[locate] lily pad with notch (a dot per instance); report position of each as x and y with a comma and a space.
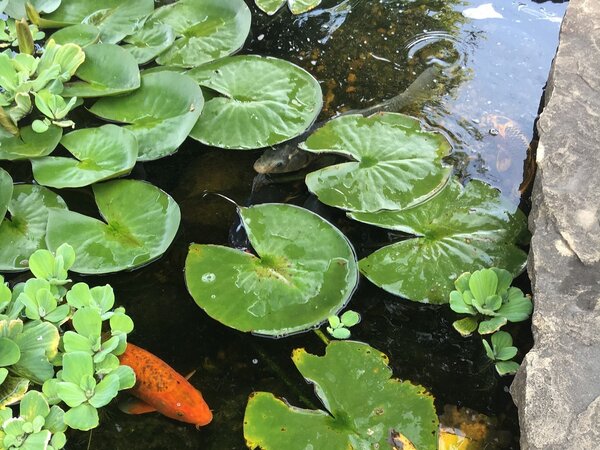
24, 231
29, 144
296, 6
205, 30
364, 406
100, 76
114, 18
100, 153
263, 101
305, 271
397, 163
459, 230
150, 41
161, 112
141, 222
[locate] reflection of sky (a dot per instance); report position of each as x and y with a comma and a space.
363, 52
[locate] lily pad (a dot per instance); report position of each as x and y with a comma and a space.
296, 6
141, 222
305, 272
150, 41
161, 112
101, 75
81, 34
397, 163
459, 230
206, 30
6, 189
101, 153
364, 406
24, 232
30, 144
262, 102
115, 18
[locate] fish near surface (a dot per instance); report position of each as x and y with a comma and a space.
160, 388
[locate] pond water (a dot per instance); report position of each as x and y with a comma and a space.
362, 52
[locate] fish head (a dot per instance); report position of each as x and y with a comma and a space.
193, 409
282, 159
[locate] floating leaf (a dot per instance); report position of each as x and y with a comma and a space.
459, 230
206, 30
162, 112
9, 352
30, 144
150, 41
12, 389
141, 222
296, 6
38, 344
364, 406
305, 272
81, 34
6, 189
398, 165
24, 232
16, 8
101, 153
101, 75
264, 101
507, 367
114, 18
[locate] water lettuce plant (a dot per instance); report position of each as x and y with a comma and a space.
296, 6
395, 163
296, 280
78, 368
458, 230
487, 296
501, 352
339, 326
363, 406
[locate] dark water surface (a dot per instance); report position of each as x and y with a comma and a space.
362, 52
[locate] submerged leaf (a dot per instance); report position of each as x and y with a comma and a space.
364, 406
305, 272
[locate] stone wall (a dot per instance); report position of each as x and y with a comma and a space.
557, 388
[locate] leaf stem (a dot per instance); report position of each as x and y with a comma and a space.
322, 336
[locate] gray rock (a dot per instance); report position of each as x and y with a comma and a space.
557, 388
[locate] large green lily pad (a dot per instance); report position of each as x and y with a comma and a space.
101, 153
29, 144
206, 30
305, 271
6, 190
100, 74
161, 112
397, 163
296, 6
81, 34
364, 406
459, 230
141, 222
24, 232
115, 18
263, 101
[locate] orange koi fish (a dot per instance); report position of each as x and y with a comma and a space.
160, 388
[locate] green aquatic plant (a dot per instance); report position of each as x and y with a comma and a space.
459, 229
501, 352
295, 6
487, 297
362, 405
8, 33
295, 281
78, 367
339, 325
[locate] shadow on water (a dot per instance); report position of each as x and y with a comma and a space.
362, 52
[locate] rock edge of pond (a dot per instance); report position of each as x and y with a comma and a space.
557, 389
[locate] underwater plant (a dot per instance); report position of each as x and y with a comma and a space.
488, 297
52, 336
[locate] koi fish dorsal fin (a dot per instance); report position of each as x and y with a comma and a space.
133, 405
191, 374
